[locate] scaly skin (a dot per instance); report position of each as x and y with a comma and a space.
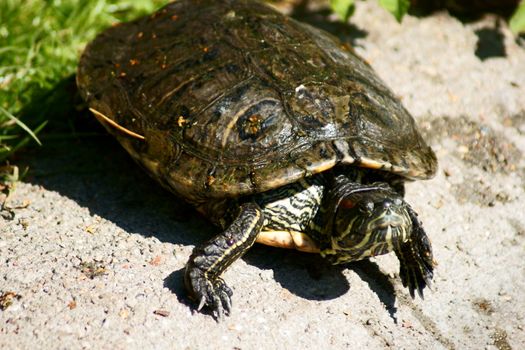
209, 260
348, 221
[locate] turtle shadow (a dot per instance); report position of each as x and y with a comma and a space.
98, 175
174, 282
81, 161
379, 283
312, 277
305, 275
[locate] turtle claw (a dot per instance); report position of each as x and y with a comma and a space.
201, 304
417, 264
220, 300
416, 269
225, 293
214, 296
415, 276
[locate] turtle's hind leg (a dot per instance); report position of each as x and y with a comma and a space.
209, 260
415, 257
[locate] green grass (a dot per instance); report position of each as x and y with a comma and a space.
40, 43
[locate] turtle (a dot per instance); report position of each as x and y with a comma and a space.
276, 131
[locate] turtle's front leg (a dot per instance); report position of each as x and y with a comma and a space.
209, 260
415, 257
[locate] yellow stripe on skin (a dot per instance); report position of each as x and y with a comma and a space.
245, 237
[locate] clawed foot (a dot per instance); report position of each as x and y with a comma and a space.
214, 295
417, 264
212, 258
417, 271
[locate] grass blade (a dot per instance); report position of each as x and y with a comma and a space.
20, 124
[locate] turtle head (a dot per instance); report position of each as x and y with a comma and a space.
369, 221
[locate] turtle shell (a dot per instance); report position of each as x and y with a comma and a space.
234, 98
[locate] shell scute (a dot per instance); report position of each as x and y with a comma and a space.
237, 98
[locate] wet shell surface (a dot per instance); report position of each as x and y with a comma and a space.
234, 98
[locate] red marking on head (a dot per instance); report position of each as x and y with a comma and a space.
347, 204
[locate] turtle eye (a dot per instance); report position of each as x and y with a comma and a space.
366, 208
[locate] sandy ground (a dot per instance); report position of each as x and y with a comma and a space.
95, 250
